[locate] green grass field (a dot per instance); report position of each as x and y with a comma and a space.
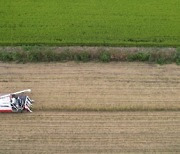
90, 22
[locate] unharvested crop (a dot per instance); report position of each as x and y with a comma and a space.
90, 22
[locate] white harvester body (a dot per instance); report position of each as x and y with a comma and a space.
24, 103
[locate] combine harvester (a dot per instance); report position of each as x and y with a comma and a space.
16, 102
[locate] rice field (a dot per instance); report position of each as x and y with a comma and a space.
90, 132
95, 86
90, 22
93, 108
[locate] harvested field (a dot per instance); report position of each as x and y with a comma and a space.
90, 132
86, 87
95, 86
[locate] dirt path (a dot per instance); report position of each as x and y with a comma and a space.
95, 86
90, 132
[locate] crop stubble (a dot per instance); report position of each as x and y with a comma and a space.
90, 132
95, 86
92, 86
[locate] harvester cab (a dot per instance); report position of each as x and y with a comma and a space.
16, 102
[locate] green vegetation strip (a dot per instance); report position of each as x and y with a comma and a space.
90, 22
46, 54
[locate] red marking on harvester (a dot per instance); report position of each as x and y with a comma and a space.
5, 111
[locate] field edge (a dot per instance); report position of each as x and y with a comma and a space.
160, 55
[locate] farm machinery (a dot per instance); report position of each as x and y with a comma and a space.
16, 102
